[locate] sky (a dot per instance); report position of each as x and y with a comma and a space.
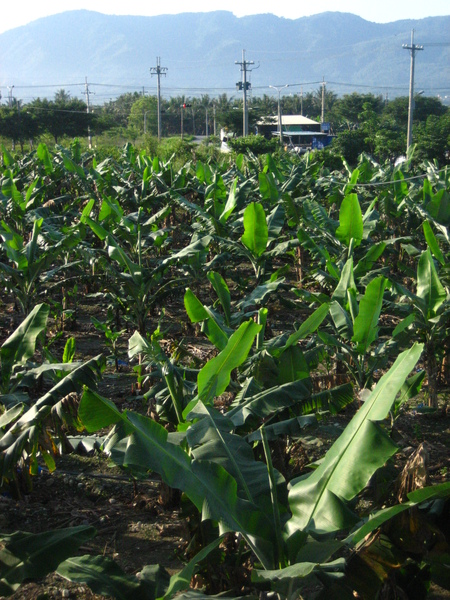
14, 14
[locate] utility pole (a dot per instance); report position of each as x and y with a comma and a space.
244, 85
413, 48
280, 125
87, 93
301, 101
322, 114
183, 106
158, 71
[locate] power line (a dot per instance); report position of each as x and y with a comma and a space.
391, 182
63, 110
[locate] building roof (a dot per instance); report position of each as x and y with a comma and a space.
304, 133
287, 120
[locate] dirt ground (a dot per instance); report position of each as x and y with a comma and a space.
135, 523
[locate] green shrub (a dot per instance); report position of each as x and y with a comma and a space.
257, 144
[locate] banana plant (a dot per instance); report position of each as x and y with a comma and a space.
220, 201
427, 314
172, 386
260, 242
27, 432
112, 336
29, 262
19, 348
223, 480
207, 484
355, 326
135, 286
331, 243
218, 326
229, 500
277, 373
319, 503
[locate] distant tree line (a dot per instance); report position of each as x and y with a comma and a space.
360, 122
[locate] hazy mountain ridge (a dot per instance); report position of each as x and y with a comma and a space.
200, 51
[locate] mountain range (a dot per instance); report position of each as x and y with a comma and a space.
202, 54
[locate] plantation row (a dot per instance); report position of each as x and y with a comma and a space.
312, 290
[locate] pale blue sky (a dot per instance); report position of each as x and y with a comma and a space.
15, 14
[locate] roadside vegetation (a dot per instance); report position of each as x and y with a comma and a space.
361, 122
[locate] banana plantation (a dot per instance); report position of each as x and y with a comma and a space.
245, 337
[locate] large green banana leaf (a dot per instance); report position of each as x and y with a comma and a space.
432, 242
197, 312
211, 438
429, 288
308, 327
438, 491
209, 486
104, 576
214, 377
25, 434
32, 556
365, 327
297, 394
318, 503
222, 291
256, 233
350, 221
20, 345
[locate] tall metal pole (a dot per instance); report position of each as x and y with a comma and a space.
413, 49
158, 71
87, 92
280, 126
245, 108
322, 114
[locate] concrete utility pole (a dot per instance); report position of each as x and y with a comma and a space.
413, 48
244, 85
183, 106
280, 125
87, 93
158, 71
322, 114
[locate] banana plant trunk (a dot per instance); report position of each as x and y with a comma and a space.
432, 372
